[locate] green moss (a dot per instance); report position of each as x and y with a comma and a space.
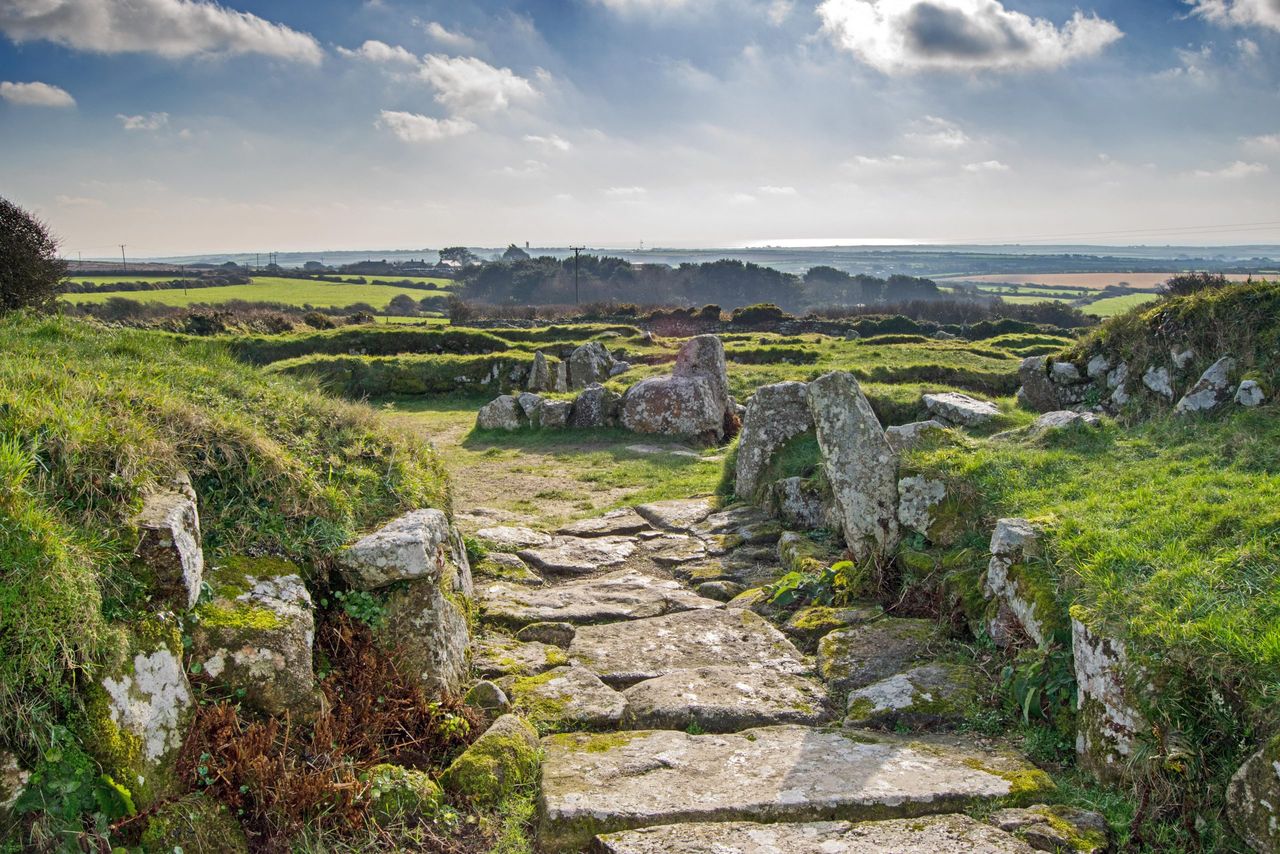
530, 699
395, 793
193, 823
503, 759
239, 615
1025, 784
556, 657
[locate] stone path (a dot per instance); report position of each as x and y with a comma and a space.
674, 722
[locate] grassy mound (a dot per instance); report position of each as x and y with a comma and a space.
91, 417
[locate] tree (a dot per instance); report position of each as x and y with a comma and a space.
458, 254
30, 269
1189, 283
515, 253
403, 305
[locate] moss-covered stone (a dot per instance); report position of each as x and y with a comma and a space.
401, 793
930, 695
505, 757
193, 823
798, 553
1057, 828
1253, 798
809, 625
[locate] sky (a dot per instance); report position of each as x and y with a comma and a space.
182, 126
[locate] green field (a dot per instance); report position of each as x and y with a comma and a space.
269, 289
1115, 305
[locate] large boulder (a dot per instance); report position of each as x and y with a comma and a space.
1250, 394
1214, 388
425, 625
554, 414
255, 635
1253, 799
501, 413
589, 364
540, 375
859, 463
596, 406
1108, 721
702, 357
674, 406
775, 414
904, 437
139, 709
420, 545
168, 550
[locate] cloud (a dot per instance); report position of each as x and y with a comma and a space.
79, 202
448, 38
1194, 65
525, 170
1232, 171
1267, 142
896, 36
770, 190
742, 199
987, 166
627, 7
169, 28
466, 84
939, 133
892, 161
1248, 48
147, 122
626, 192
381, 53
411, 127
779, 11
36, 94
551, 142
1240, 13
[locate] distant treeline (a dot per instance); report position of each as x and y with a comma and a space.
549, 281
218, 281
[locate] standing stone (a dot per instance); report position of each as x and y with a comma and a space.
169, 547
1213, 389
589, 364
562, 377
1250, 394
775, 414
501, 413
531, 408
1037, 391
139, 711
256, 635
1253, 799
859, 463
1157, 379
540, 374
554, 414
596, 406
418, 545
1024, 593
702, 357
426, 625
1107, 721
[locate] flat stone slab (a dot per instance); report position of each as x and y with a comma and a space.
579, 555
595, 784
623, 595
616, 523
960, 409
501, 566
675, 549
674, 450
512, 537
626, 653
567, 698
725, 699
678, 514
854, 657
928, 695
955, 834
493, 657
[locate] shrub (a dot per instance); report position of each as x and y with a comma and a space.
30, 269
755, 315
1190, 283
316, 320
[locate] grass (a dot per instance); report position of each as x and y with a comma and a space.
296, 292
91, 417
104, 280
1111, 306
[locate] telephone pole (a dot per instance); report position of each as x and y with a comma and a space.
577, 294
124, 266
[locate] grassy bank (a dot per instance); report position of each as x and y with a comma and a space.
276, 289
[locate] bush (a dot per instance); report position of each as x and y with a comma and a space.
316, 320
756, 315
30, 269
1190, 283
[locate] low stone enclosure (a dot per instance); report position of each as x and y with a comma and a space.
692, 402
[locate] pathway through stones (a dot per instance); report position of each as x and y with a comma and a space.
674, 721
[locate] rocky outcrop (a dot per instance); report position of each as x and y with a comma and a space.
775, 414
255, 635
859, 463
960, 410
1253, 799
595, 407
904, 437
1107, 721
169, 550
1056, 827
589, 364
1212, 390
500, 761
501, 413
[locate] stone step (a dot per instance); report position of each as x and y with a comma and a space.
953, 834
626, 653
623, 595
578, 555
725, 699
603, 783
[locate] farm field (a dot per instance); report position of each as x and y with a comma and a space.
269, 289
1114, 305
1091, 281
103, 280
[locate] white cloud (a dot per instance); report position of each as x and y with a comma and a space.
742, 199
79, 202
36, 95
892, 161
449, 38
147, 121
411, 127
987, 166
1193, 65
466, 84
1241, 13
626, 192
771, 190
1267, 142
381, 53
169, 28
779, 11
551, 142
1248, 48
939, 133
896, 36
525, 170
632, 6
1232, 171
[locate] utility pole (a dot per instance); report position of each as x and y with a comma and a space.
577, 294
124, 265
